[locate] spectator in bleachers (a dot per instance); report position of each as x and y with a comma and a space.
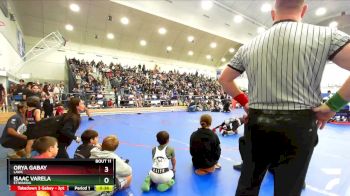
21, 86
110, 103
3, 97
116, 96
11, 95
192, 107
138, 100
56, 93
34, 91
151, 83
47, 97
27, 90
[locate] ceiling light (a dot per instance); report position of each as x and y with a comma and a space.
266, 7
69, 27
223, 60
190, 53
213, 44
260, 30
162, 31
169, 48
238, 19
74, 7
231, 50
206, 4
208, 56
190, 38
110, 36
333, 24
143, 43
321, 11
124, 20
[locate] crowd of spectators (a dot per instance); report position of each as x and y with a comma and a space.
139, 87
50, 94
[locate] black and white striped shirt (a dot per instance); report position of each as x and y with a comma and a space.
285, 64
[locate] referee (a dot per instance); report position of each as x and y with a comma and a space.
284, 66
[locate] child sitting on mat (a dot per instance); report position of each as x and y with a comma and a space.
90, 141
161, 175
205, 148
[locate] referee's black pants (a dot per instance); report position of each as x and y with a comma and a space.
280, 140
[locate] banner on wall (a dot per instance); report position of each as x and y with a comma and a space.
20, 43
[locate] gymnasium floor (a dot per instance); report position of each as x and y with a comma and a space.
328, 172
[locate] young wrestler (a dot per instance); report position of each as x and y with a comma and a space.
229, 126
160, 174
90, 141
205, 148
33, 115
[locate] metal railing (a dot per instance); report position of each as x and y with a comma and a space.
112, 100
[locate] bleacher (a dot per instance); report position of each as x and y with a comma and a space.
99, 83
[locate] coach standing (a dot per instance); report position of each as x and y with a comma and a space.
284, 66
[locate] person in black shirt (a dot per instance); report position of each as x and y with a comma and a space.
71, 123
12, 135
205, 148
90, 141
48, 101
34, 92
19, 91
27, 91
192, 107
116, 97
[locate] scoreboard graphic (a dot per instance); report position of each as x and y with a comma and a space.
61, 175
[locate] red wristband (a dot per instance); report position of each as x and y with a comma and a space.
242, 99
